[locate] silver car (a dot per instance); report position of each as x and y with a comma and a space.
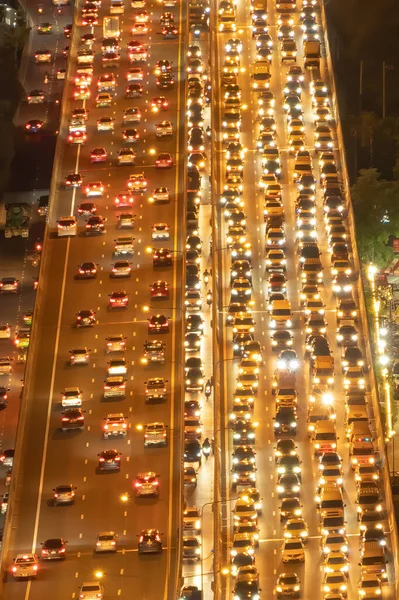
106, 542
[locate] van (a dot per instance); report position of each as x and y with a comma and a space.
372, 559
330, 500
362, 453
325, 437
280, 314
355, 414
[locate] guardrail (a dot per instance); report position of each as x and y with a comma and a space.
29, 364
363, 311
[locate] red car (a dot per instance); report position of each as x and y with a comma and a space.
164, 161
159, 103
123, 199
159, 289
118, 300
98, 155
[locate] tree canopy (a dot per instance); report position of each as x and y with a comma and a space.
376, 207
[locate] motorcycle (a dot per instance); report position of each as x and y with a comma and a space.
208, 391
209, 299
206, 450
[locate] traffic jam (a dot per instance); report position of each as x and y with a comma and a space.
198, 415
335, 406
95, 85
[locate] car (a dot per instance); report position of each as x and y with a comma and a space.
146, 484
72, 419
90, 590
131, 115
335, 582
160, 195
288, 586
296, 528
155, 434
87, 270
150, 542
72, 397
105, 124
9, 285
190, 476
293, 550
158, 324
118, 300
94, 188
73, 180
121, 268
25, 566
64, 494
115, 425
160, 232
191, 548
53, 549
290, 508
5, 332
155, 388
36, 97
288, 485
334, 542
109, 460
159, 290
164, 160
106, 542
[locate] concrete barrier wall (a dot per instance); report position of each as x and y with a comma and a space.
379, 428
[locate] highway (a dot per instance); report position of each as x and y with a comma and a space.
268, 555
31, 170
49, 457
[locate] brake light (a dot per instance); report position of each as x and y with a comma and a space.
102, 459
14, 569
35, 567
44, 551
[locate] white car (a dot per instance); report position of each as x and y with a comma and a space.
5, 365
117, 366
135, 74
106, 542
105, 124
160, 232
72, 396
91, 590
94, 188
5, 332
160, 194
67, 226
137, 182
25, 566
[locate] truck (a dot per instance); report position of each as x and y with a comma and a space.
323, 370
312, 54
111, 27
17, 220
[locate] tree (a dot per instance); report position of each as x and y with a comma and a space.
376, 207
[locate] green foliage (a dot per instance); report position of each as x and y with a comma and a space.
376, 207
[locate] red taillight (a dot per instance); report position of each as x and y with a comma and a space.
44, 552
62, 551
14, 569
65, 419
102, 459
118, 458
35, 567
